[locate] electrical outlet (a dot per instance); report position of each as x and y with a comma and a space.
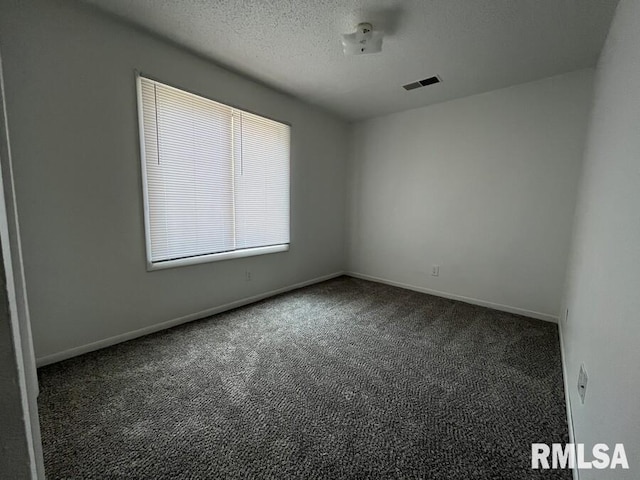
247, 276
583, 378
435, 270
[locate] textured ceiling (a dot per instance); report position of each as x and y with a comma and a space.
294, 45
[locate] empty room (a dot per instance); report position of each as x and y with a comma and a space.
320, 239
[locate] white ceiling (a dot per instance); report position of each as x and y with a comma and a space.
294, 45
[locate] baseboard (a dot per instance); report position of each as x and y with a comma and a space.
483, 303
107, 342
567, 399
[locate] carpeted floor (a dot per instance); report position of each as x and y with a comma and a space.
344, 379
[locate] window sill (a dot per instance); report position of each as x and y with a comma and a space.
216, 257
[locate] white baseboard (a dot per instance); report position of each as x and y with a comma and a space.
483, 303
107, 342
567, 399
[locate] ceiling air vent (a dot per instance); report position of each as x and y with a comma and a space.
422, 83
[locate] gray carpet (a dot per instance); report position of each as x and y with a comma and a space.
344, 379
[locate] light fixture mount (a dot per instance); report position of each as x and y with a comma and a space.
364, 40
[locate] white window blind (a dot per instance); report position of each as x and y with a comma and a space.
216, 178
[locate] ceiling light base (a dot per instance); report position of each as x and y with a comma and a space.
364, 40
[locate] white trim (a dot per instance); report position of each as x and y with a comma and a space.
567, 398
475, 301
143, 163
73, 352
214, 257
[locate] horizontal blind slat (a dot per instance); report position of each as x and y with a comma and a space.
217, 178
262, 189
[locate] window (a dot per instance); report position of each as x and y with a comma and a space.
215, 178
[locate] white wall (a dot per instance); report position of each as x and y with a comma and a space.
482, 186
603, 294
69, 75
20, 447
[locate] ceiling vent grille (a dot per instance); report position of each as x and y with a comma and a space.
422, 83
